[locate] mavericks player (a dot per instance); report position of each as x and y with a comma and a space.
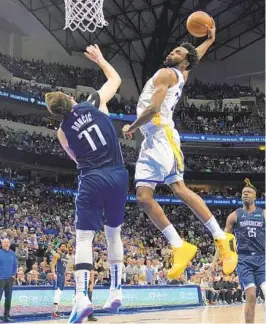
58, 268
161, 160
248, 223
89, 137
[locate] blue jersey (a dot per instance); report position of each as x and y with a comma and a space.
250, 231
61, 263
92, 137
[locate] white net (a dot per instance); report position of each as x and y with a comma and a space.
86, 15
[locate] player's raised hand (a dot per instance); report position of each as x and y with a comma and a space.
93, 53
212, 31
128, 131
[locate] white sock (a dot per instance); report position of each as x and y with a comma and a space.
116, 275
82, 281
263, 288
83, 257
172, 236
215, 229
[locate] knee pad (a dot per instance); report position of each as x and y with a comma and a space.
84, 247
114, 242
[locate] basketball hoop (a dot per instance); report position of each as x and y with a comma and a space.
86, 15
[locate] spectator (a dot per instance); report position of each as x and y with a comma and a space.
20, 281
48, 255
71, 259
50, 279
41, 250
69, 281
162, 279
43, 273
101, 280
130, 270
150, 273
22, 255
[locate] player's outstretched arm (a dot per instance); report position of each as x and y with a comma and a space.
109, 89
64, 143
203, 48
230, 222
164, 80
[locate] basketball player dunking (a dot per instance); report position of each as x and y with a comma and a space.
89, 137
58, 268
248, 223
161, 160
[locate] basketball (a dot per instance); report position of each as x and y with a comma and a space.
196, 23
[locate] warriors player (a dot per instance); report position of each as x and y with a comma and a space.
248, 223
161, 160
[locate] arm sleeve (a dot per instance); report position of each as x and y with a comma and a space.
95, 99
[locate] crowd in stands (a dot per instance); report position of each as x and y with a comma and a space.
222, 164
221, 124
37, 220
38, 92
54, 74
233, 120
261, 114
39, 144
213, 91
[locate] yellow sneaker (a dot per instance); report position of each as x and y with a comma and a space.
181, 258
227, 250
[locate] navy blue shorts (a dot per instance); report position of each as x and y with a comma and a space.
251, 270
60, 282
101, 199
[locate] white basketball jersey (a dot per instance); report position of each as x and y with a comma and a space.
165, 116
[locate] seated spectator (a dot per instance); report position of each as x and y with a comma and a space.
35, 278
69, 281
50, 279
100, 280
162, 280
43, 273
29, 280
20, 280
135, 280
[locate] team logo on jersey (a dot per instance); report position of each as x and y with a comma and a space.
257, 215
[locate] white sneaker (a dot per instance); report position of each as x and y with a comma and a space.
82, 307
114, 301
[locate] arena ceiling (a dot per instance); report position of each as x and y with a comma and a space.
144, 30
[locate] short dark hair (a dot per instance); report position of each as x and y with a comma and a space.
58, 103
192, 55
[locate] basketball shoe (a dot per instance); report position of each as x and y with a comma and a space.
181, 258
114, 301
227, 251
82, 307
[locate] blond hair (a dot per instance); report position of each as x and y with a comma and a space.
58, 103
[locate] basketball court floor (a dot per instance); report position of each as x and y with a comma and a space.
223, 314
